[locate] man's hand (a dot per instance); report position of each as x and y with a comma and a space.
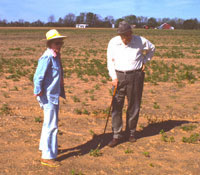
40, 94
115, 82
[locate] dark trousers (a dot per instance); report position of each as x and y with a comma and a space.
130, 85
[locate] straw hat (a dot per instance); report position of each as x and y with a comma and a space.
53, 34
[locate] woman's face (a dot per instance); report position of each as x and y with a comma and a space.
56, 45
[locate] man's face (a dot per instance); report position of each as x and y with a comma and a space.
126, 37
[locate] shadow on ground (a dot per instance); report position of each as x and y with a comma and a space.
100, 141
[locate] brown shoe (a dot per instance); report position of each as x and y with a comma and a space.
132, 139
50, 162
113, 142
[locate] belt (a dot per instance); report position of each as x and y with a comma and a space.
129, 71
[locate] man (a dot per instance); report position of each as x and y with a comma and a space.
126, 60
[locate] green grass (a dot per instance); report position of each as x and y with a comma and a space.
5, 109
188, 127
38, 119
194, 138
128, 151
165, 138
95, 152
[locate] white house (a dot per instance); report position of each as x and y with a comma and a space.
81, 25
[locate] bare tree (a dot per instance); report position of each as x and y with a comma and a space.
51, 19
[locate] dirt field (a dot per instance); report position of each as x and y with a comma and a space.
169, 125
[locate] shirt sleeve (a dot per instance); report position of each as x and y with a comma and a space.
111, 61
39, 75
150, 49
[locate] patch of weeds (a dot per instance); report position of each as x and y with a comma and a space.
76, 99
165, 138
151, 165
60, 132
85, 111
69, 91
30, 49
146, 154
95, 152
84, 104
156, 105
97, 86
141, 126
5, 109
169, 107
86, 91
110, 92
92, 98
38, 119
6, 95
73, 172
188, 127
91, 91
128, 151
78, 111
92, 133
194, 138
16, 88
17, 48
104, 81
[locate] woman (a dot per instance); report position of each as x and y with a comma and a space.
48, 86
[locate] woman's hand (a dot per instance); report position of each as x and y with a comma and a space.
40, 94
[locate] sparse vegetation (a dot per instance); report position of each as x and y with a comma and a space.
95, 152
194, 138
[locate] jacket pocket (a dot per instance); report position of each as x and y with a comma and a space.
55, 71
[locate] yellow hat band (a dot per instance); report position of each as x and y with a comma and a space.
52, 36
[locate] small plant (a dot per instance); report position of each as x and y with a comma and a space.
6, 95
156, 106
78, 111
92, 97
73, 172
128, 151
188, 127
146, 154
5, 109
97, 86
69, 91
165, 138
76, 99
192, 139
95, 152
38, 120
85, 111
151, 164
60, 132
104, 81
86, 91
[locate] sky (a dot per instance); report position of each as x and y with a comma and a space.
32, 10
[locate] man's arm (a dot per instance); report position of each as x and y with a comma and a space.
40, 74
111, 64
149, 48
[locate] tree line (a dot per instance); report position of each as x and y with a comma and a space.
95, 20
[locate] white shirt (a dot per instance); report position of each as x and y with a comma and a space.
129, 57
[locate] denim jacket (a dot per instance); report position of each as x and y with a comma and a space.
47, 78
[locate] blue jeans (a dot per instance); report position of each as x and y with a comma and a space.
48, 140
